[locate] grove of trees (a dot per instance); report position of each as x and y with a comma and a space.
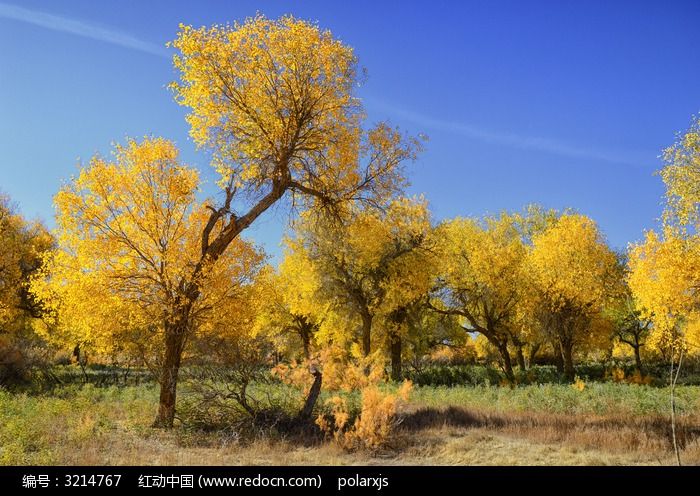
370, 286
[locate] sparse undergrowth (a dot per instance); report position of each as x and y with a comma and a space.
601, 424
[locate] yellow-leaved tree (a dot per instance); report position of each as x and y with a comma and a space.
293, 312
574, 275
129, 242
665, 267
481, 279
274, 101
23, 244
371, 270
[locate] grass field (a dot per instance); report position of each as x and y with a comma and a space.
604, 424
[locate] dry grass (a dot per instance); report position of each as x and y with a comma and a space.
111, 426
637, 439
433, 446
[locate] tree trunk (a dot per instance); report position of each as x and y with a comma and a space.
534, 348
507, 364
174, 340
558, 358
366, 333
306, 341
638, 360
568, 357
314, 392
520, 356
396, 372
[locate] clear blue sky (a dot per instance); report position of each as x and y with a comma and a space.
567, 104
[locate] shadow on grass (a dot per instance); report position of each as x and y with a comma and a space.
612, 431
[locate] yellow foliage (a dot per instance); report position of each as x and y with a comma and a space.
275, 101
484, 281
129, 237
370, 267
342, 370
373, 427
640, 379
617, 374
571, 264
664, 277
681, 174
22, 246
574, 275
578, 384
665, 267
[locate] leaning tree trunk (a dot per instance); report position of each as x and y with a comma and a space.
313, 395
396, 365
507, 363
174, 341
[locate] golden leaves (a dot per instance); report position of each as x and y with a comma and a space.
681, 174
129, 241
265, 91
23, 245
275, 101
571, 264
664, 267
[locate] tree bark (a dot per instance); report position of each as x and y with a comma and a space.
366, 333
396, 365
638, 359
520, 357
568, 357
534, 348
306, 340
174, 340
314, 392
558, 358
507, 363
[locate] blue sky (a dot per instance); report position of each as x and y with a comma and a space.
567, 104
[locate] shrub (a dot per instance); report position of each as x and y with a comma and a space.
457, 375
21, 360
219, 384
372, 428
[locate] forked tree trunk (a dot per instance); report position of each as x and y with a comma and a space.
396, 365
174, 340
507, 363
502, 347
558, 358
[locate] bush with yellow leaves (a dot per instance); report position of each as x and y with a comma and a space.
343, 370
579, 384
346, 372
372, 428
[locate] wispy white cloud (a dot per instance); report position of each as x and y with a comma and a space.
80, 28
512, 140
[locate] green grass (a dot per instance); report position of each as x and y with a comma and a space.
35, 429
596, 398
79, 424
